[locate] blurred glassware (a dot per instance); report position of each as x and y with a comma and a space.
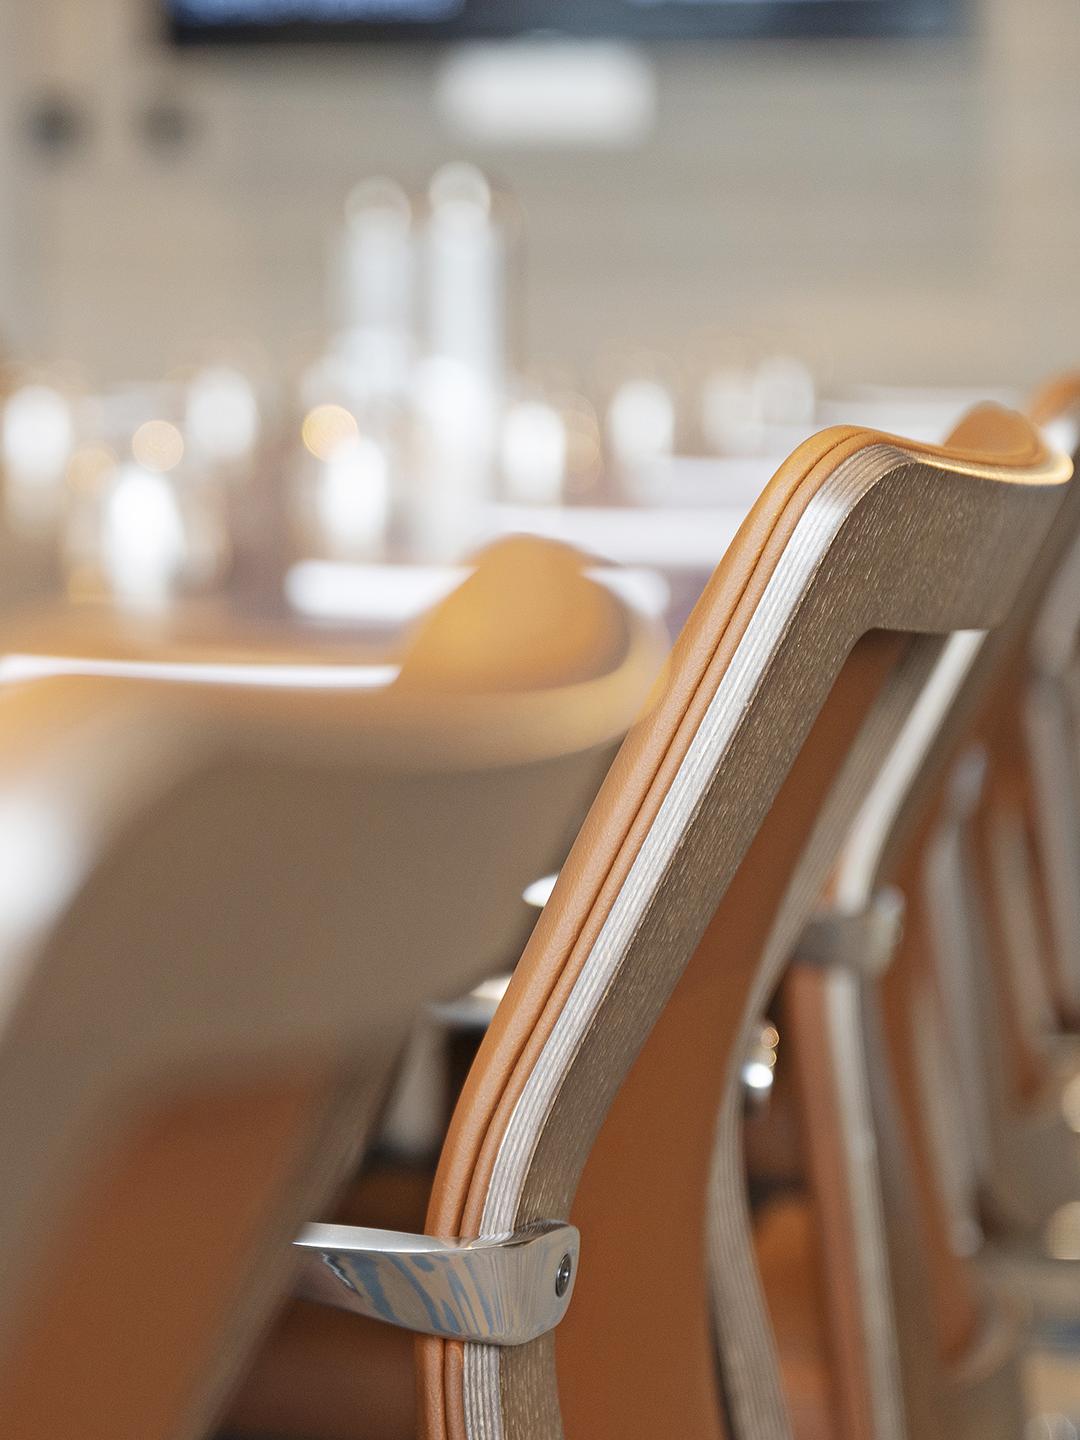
559, 387
145, 512
37, 439
353, 498
762, 408
641, 421
346, 478
372, 295
731, 421
342, 487
784, 391
141, 536
221, 418
459, 382
533, 452
584, 444
465, 261
451, 458
416, 358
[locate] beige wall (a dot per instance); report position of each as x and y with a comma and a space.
910, 211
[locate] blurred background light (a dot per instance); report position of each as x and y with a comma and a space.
327, 428
143, 542
158, 445
222, 418
533, 453
353, 498
548, 93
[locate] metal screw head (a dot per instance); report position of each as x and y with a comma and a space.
562, 1276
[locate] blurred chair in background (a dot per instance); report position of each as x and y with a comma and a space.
945, 1021
1051, 743
228, 895
1005, 944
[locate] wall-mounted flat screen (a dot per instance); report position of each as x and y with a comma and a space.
195, 21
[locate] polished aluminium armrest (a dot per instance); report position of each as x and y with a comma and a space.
503, 1290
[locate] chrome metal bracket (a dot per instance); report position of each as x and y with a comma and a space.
859, 940
503, 1290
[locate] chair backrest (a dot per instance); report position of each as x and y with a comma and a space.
227, 893
1023, 825
1015, 844
1053, 724
998, 942
921, 1048
597, 1089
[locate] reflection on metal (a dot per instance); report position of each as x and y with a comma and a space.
942, 1090
1042, 1286
954, 934
759, 1066
1062, 1232
1026, 1167
503, 1290
1050, 1425
1050, 722
1014, 867
1070, 1103
859, 940
474, 1011
539, 892
892, 787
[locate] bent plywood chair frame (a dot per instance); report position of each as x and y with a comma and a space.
859, 533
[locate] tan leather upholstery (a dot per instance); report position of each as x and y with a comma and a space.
326, 1375
264, 886
323, 1374
1055, 397
524, 618
135, 1300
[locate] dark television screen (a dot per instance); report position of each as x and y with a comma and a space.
195, 21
